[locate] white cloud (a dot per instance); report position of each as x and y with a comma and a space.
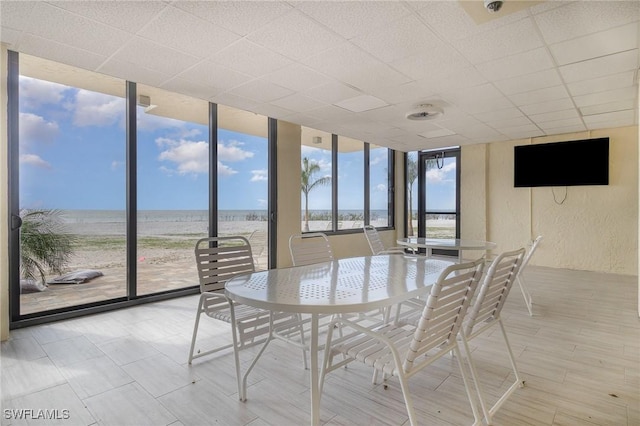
188, 156
381, 187
34, 92
259, 175
308, 151
233, 151
115, 165
224, 170
97, 109
35, 129
377, 159
440, 175
262, 202
34, 160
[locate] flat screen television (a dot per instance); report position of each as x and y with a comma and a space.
579, 162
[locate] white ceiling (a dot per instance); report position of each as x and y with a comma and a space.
356, 68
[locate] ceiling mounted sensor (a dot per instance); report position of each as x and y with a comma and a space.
316, 140
145, 101
425, 112
493, 6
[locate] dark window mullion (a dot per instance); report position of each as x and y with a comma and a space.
213, 169
13, 173
367, 183
132, 189
334, 182
272, 227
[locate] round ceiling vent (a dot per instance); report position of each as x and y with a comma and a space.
425, 112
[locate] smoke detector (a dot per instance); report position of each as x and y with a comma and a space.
425, 112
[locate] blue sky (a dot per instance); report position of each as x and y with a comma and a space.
72, 156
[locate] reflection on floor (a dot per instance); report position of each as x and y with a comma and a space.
579, 355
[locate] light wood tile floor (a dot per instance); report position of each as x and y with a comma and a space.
579, 355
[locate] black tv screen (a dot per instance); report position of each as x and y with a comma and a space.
580, 162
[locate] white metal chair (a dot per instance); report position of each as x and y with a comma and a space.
258, 242
523, 288
485, 313
403, 351
310, 248
375, 243
220, 259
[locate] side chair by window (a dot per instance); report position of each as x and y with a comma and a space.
404, 350
220, 259
485, 313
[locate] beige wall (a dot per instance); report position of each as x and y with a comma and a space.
595, 228
4, 220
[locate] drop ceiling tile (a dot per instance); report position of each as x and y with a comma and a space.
435, 62
502, 114
456, 78
16, 15
479, 131
361, 103
568, 129
548, 107
452, 22
133, 72
508, 122
150, 55
398, 39
270, 110
585, 17
191, 88
59, 52
235, 101
607, 117
540, 95
298, 78
444, 141
129, 16
9, 36
430, 134
261, 90
601, 84
408, 92
214, 75
554, 116
302, 119
249, 58
201, 40
297, 102
608, 107
626, 93
623, 122
595, 45
353, 18
600, 67
332, 92
61, 26
241, 17
518, 132
520, 36
516, 65
295, 36
331, 113
567, 122
529, 82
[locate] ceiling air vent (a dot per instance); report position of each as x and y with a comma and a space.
425, 112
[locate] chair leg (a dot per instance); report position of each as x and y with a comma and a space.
243, 392
236, 348
527, 296
465, 380
195, 329
304, 350
404, 385
476, 381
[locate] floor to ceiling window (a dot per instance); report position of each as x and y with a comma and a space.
172, 187
380, 203
243, 161
351, 194
71, 186
316, 176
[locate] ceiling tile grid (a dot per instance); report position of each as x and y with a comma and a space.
547, 67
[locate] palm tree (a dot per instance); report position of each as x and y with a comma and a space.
412, 175
45, 244
310, 168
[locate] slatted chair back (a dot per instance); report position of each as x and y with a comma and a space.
220, 259
494, 290
529, 254
444, 311
310, 248
373, 238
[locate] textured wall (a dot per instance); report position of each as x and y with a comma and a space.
595, 228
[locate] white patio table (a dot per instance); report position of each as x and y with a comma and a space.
351, 285
447, 244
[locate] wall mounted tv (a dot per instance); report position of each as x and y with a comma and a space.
579, 162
